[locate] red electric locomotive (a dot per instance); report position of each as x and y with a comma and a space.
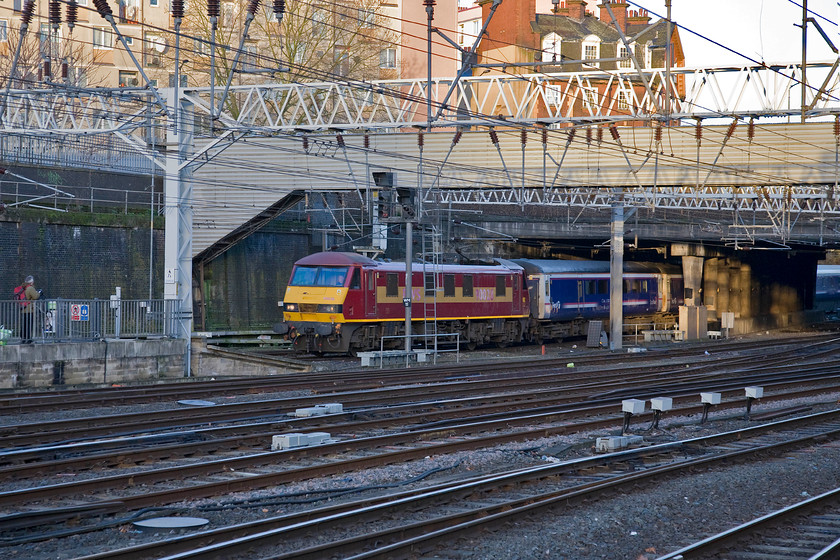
345, 302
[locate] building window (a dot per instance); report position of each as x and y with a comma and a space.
551, 47
388, 58
103, 38
591, 47
17, 5
155, 48
4, 30
182, 78
623, 101
201, 47
467, 285
648, 55
129, 79
367, 17
152, 3
227, 15
590, 97
50, 40
249, 57
624, 53
129, 11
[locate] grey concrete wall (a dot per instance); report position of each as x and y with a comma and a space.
105, 362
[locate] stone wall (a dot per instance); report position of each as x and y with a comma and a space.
111, 361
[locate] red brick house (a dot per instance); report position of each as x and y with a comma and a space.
572, 35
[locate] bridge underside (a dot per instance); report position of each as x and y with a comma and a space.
772, 182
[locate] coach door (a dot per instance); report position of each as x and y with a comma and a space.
580, 300
370, 293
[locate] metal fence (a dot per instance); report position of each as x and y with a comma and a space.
64, 320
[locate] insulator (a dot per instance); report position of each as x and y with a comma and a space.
420, 139
214, 8
47, 68
28, 8
253, 5
178, 9
55, 13
572, 133
657, 134
494, 137
544, 137
731, 129
72, 14
40, 74
600, 135
837, 125
305, 144
523, 137
340, 139
279, 8
65, 70
614, 132
103, 8
588, 136
367, 142
751, 129
428, 3
457, 137
698, 130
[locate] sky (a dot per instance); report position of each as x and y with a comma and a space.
763, 30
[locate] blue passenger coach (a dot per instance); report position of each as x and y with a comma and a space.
573, 292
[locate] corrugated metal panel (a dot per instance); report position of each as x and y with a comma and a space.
254, 174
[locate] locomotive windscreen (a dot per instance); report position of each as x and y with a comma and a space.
323, 276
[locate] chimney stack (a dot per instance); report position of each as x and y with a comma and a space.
619, 10
577, 9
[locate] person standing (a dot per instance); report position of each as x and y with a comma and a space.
27, 323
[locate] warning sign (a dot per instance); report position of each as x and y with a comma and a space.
79, 312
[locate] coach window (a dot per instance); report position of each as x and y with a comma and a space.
429, 281
591, 286
467, 287
500, 286
448, 285
391, 285
603, 286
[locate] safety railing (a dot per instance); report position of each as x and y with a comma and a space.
76, 320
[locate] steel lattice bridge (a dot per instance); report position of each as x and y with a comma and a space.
736, 139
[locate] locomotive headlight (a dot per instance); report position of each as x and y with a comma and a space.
292, 307
329, 308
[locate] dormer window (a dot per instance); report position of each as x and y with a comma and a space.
591, 48
551, 47
624, 54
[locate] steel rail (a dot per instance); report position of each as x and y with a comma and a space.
730, 538
414, 538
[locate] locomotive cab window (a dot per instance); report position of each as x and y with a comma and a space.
356, 279
501, 290
448, 285
323, 276
391, 285
467, 285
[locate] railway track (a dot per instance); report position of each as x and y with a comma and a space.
120, 465
416, 522
15, 403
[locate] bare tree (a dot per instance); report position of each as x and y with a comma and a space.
47, 59
314, 42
